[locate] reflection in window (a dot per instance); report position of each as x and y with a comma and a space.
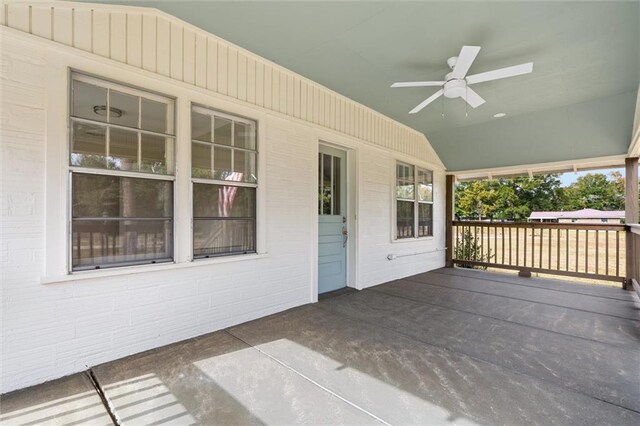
117, 219
222, 147
137, 135
223, 165
329, 187
414, 201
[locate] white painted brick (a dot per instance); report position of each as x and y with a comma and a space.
51, 330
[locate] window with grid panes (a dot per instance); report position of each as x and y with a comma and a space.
224, 177
121, 165
414, 201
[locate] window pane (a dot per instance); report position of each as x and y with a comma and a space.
425, 185
222, 163
244, 136
201, 160
223, 237
336, 186
123, 109
222, 131
327, 194
320, 179
425, 220
123, 149
224, 219
405, 182
154, 117
89, 101
244, 166
404, 219
88, 145
221, 201
103, 196
154, 150
200, 127
109, 242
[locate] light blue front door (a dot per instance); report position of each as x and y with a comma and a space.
332, 222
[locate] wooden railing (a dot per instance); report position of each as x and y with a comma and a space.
634, 235
594, 251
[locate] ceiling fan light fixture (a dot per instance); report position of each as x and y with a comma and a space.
456, 82
102, 110
499, 115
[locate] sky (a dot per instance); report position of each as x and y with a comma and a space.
568, 178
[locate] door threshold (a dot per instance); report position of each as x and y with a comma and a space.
336, 293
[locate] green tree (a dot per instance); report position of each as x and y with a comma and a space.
596, 191
512, 199
475, 200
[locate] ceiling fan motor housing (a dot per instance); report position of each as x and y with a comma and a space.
454, 87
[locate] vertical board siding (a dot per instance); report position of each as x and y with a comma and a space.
303, 100
100, 33
82, 34
159, 43
134, 40
63, 26
212, 64
222, 68
275, 89
176, 51
41, 21
251, 80
163, 47
259, 83
232, 73
18, 17
189, 56
149, 40
296, 97
268, 80
118, 36
242, 77
201, 61
290, 95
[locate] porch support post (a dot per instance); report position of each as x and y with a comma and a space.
449, 209
631, 215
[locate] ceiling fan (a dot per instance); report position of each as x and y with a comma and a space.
456, 83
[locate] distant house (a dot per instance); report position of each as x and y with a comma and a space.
578, 216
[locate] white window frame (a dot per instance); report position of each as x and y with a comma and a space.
415, 200
70, 169
215, 112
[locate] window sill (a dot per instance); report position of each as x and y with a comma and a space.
158, 267
411, 240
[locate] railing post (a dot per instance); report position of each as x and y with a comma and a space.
631, 215
449, 209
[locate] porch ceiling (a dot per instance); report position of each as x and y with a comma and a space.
578, 103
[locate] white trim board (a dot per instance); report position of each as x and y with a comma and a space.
532, 169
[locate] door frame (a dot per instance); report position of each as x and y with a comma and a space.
351, 215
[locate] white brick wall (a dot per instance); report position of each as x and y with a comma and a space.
51, 330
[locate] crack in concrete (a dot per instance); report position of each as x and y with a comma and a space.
104, 398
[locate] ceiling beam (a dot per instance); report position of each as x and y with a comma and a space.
542, 168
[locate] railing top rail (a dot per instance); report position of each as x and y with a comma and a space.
552, 225
634, 228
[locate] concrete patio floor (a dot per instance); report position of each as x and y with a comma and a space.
450, 346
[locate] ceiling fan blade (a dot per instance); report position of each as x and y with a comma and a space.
465, 59
427, 101
472, 98
501, 73
418, 83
